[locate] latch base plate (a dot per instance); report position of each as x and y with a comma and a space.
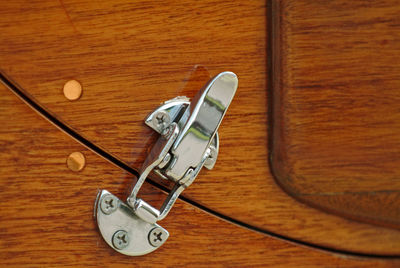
123, 230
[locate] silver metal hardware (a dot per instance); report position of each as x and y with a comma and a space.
123, 221
120, 239
188, 141
157, 236
161, 120
108, 204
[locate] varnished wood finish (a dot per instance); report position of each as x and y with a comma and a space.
47, 211
337, 116
131, 56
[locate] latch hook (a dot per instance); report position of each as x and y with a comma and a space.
188, 141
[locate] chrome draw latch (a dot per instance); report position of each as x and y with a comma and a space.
189, 140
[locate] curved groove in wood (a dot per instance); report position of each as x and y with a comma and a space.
160, 183
47, 219
147, 65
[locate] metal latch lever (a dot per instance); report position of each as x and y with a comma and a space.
188, 141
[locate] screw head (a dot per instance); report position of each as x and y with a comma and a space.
161, 120
157, 236
108, 204
120, 239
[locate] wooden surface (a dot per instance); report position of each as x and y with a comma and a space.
47, 212
131, 56
336, 106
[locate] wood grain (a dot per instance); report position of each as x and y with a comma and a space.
130, 56
46, 219
337, 116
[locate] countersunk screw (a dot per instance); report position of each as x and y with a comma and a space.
120, 239
161, 120
109, 204
157, 236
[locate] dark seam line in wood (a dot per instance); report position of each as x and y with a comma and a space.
47, 115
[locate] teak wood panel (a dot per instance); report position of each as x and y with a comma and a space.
336, 106
47, 212
131, 56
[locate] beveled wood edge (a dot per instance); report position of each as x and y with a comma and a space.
280, 171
